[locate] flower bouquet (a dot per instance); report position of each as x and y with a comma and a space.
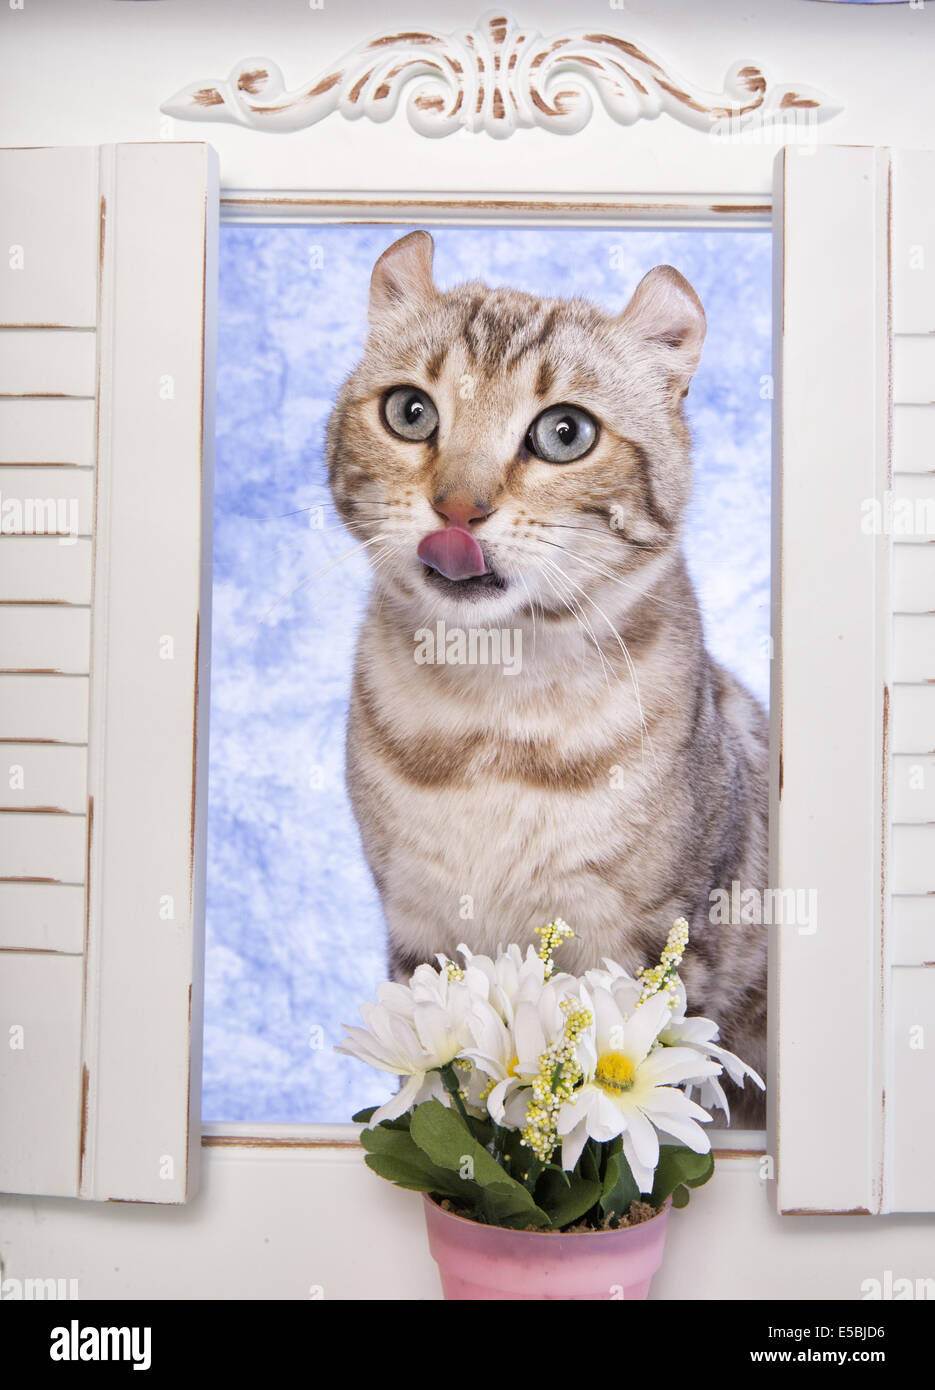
542, 1113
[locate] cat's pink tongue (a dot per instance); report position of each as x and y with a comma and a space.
453, 552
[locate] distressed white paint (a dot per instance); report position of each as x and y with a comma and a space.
913, 579
44, 639
498, 77
914, 239
46, 362
914, 365
914, 647
909, 1027
106, 471
47, 431
42, 917
914, 438
43, 845
45, 569
913, 719
147, 730
41, 996
46, 776
912, 852
44, 708
56, 283
912, 938
911, 1097
912, 790
46, 499
831, 602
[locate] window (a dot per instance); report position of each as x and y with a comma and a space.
295, 934
102, 971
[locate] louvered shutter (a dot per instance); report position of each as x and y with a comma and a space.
853, 1003
106, 382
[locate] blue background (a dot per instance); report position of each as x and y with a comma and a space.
295, 938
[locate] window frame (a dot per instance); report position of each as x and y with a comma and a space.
725, 212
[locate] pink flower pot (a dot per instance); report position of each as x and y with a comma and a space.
479, 1262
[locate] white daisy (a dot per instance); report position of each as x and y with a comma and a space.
631, 1086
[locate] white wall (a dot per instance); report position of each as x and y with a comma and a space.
94, 71
285, 1225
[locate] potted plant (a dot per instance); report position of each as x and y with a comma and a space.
549, 1119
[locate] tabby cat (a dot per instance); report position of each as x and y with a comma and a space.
522, 465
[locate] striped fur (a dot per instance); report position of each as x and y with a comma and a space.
620, 777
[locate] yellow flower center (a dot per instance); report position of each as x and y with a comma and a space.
615, 1072
511, 1069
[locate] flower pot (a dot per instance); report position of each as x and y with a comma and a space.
480, 1262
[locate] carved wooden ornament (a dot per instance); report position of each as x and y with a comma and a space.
498, 77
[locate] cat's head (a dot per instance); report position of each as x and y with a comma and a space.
497, 450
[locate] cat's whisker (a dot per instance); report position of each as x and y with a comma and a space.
644, 728
532, 611
583, 623
615, 579
616, 537
309, 579
280, 516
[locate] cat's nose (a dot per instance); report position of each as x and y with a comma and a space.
459, 509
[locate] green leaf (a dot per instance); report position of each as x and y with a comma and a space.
566, 1202
679, 1166
364, 1117
620, 1187
400, 1160
557, 1168
408, 1175
680, 1196
589, 1164
442, 1134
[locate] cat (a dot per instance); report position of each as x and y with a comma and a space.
521, 464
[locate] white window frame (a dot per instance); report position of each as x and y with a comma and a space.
616, 213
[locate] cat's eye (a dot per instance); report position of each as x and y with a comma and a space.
562, 434
409, 413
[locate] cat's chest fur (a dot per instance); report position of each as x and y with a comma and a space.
489, 804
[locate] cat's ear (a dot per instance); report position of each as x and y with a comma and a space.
665, 310
403, 275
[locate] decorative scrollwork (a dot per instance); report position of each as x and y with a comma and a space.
499, 77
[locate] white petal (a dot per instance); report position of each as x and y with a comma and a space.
686, 1132
644, 1026
434, 1027
528, 1038
735, 1068
666, 1101
673, 1064
645, 1139
404, 1099
572, 1144
642, 1173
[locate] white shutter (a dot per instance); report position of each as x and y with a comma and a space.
853, 1004
910, 1038
106, 382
